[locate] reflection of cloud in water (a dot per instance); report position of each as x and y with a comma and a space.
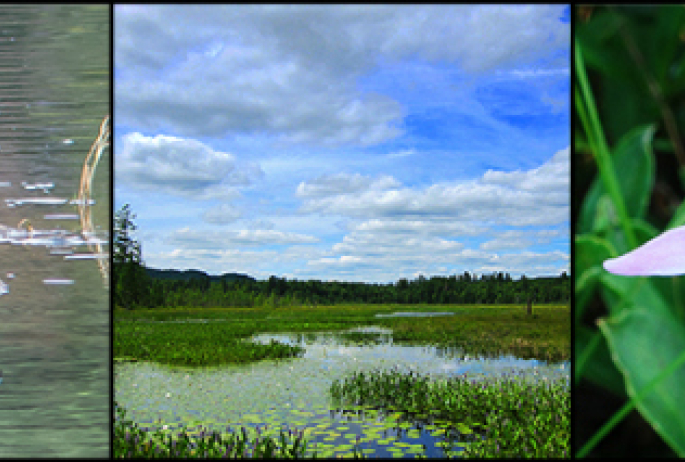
443, 361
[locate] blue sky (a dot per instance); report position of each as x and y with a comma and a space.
349, 143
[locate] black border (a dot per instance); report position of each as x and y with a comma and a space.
572, 226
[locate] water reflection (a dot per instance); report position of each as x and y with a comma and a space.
54, 312
378, 347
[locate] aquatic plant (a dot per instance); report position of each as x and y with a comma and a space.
509, 416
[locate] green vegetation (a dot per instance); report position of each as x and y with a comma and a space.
487, 331
508, 416
132, 441
203, 291
200, 290
628, 188
539, 428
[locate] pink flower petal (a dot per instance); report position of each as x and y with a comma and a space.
662, 256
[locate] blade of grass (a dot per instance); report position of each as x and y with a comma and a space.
599, 146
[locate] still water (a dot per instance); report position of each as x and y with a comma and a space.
54, 301
296, 391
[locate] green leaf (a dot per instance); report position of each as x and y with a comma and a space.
619, 292
589, 252
644, 340
606, 216
598, 367
633, 161
586, 284
678, 218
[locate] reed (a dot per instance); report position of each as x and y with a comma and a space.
87, 174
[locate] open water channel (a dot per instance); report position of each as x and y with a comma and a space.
294, 393
54, 301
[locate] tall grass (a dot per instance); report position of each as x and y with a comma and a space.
509, 416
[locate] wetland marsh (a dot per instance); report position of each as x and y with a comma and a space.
342, 381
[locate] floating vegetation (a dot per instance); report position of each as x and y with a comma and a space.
513, 417
132, 441
345, 396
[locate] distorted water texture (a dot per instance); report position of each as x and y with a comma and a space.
295, 392
54, 312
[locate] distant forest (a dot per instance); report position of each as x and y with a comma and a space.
138, 286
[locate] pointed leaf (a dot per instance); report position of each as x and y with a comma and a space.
644, 341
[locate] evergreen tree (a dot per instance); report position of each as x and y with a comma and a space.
131, 283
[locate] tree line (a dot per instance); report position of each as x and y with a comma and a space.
133, 286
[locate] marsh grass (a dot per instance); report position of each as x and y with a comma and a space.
508, 416
132, 441
511, 416
486, 331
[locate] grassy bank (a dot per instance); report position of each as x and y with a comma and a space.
517, 418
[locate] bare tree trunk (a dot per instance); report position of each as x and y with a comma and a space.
529, 307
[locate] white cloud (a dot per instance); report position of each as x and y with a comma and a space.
435, 227
221, 215
402, 153
331, 185
537, 73
352, 139
536, 197
197, 239
180, 166
290, 70
515, 239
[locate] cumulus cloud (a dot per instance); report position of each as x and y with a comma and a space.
535, 197
181, 166
550, 178
436, 227
342, 183
519, 239
291, 70
188, 238
372, 244
216, 261
221, 215
301, 88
